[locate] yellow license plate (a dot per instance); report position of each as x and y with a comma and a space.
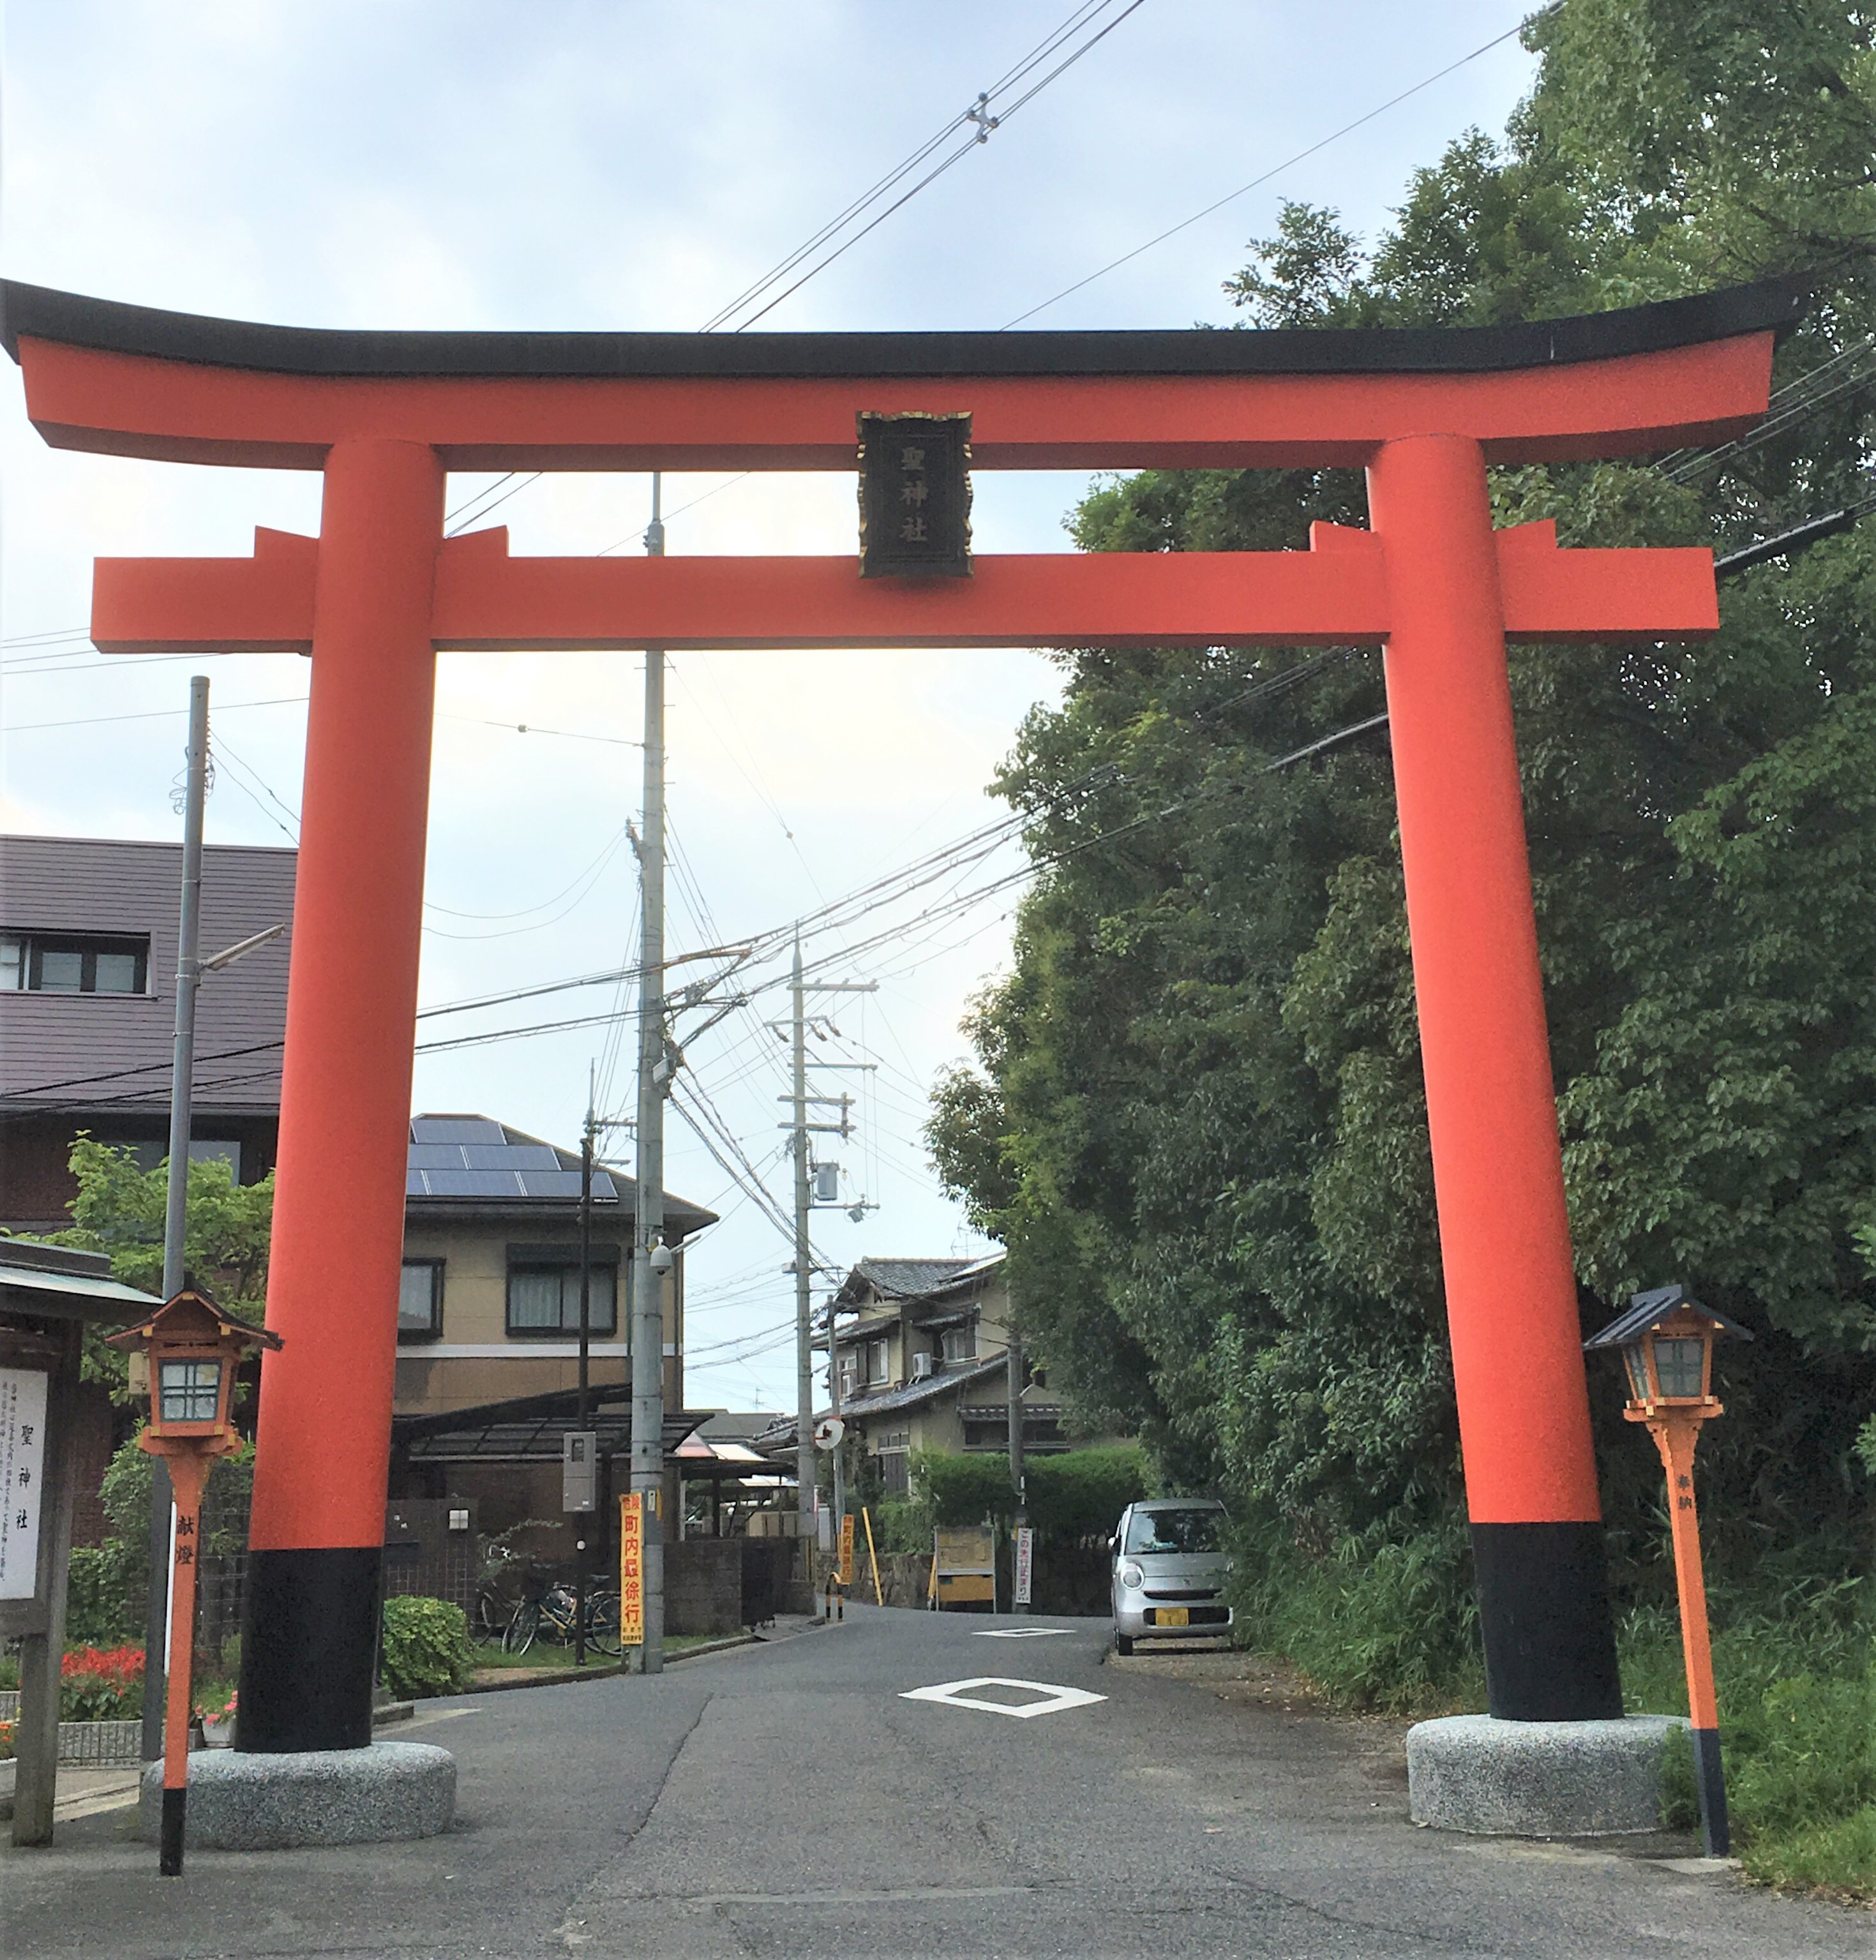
1172, 1616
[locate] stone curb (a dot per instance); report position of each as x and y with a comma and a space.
565, 1677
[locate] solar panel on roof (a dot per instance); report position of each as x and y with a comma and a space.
436, 1157
455, 1130
511, 1156
473, 1183
549, 1183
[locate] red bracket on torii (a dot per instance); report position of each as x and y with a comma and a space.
380, 590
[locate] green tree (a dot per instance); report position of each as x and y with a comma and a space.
1194, 1113
120, 1209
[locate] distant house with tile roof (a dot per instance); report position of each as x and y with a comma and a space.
923, 1363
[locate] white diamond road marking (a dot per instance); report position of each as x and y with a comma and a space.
1019, 1633
952, 1694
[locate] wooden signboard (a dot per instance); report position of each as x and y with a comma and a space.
963, 1566
847, 1551
631, 1568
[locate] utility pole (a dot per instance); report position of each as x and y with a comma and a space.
804, 1131
586, 1525
176, 1198
648, 1290
1013, 1368
804, 1469
839, 1449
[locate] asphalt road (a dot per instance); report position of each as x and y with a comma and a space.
788, 1800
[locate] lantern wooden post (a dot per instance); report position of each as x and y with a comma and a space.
1666, 1339
194, 1349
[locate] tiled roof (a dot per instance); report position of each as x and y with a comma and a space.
94, 1052
910, 1279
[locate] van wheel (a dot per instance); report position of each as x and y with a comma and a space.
1124, 1643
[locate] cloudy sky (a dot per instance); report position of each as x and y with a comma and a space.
597, 163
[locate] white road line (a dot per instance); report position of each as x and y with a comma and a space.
954, 1695
1018, 1632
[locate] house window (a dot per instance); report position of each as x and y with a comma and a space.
849, 1375
960, 1343
544, 1291
420, 1300
895, 1473
875, 1353
45, 962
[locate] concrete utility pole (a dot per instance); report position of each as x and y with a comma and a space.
176, 1198
1013, 1369
586, 1525
805, 1470
648, 1290
804, 1131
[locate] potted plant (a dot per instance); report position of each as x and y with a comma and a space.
217, 1724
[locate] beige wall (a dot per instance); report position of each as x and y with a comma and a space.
435, 1375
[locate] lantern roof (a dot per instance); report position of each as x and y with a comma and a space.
192, 1316
1648, 1309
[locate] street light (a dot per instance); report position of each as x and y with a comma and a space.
193, 1349
1666, 1340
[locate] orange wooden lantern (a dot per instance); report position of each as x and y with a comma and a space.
1666, 1340
194, 1349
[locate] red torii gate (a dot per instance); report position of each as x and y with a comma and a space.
373, 597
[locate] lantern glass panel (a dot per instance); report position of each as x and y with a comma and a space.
190, 1390
1679, 1364
1638, 1373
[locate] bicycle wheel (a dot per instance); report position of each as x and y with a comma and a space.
489, 1620
602, 1624
519, 1636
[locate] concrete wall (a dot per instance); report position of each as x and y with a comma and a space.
703, 1585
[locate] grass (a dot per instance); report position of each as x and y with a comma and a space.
1797, 1691
1389, 1627
551, 1656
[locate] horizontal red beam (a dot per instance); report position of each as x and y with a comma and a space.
486, 600
83, 398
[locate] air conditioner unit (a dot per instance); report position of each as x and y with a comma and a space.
924, 1367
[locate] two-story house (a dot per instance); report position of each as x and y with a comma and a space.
923, 1363
489, 1317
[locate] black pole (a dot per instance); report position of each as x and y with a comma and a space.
586, 1325
169, 1863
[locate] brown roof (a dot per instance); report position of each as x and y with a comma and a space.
911, 1279
107, 1051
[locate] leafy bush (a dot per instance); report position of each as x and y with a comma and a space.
903, 1524
1078, 1494
1375, 1624
106, 1594
426, 1646
98, 1684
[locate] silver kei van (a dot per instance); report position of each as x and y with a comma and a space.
1169, 1567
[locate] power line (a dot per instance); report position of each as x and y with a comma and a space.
1276, 170
978, 115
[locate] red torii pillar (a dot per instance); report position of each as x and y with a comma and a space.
385, 416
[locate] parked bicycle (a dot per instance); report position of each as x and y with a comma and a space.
553, 1616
